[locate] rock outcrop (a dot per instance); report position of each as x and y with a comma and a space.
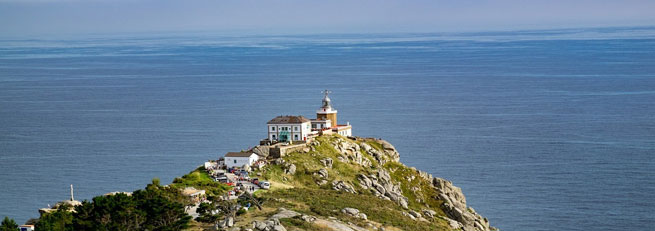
354, 213
380, 185
272, 224
459, 215
327, 162
350, 153
372, 167
342, 186
261, 150
290, 169
387, 154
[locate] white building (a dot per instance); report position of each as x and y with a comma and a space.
289, 128
343, 129
299, 128
26, 228
239, 159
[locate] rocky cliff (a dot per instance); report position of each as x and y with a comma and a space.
336, 183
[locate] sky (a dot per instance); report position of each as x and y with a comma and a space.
34, 18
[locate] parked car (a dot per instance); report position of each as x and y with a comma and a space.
255, 181
222, 179
265, 185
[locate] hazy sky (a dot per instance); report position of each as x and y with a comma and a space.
62, 17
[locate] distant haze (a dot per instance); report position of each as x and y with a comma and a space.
62, 17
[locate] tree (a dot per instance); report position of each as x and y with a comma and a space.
156, 208
8, 225
205, 210
163, 206
59, 220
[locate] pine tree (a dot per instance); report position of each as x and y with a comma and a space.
8, 225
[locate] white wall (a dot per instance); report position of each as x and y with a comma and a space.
240, 161
347, 132
303, 130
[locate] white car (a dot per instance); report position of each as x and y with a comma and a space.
265, 184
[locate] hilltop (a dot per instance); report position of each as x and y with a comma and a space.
341, 183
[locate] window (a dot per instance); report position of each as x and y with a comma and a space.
295, 128
295, 137
273, 136
235, 161
272, 128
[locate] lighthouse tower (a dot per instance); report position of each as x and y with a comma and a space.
326, 112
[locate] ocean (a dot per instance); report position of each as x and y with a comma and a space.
542, 130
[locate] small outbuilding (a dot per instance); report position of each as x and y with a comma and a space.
239, 159
196, 195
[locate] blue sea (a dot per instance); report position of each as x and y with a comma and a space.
543, 130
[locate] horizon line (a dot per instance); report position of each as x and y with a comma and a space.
258, 33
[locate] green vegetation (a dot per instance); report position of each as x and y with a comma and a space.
326, 203
8, 225
200, 179
155, 208
162, 207
401, 173
375, 145
308, 197
309, 163
60, 220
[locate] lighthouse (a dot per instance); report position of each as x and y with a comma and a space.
326, 112
300, 129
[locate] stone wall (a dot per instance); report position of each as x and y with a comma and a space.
280, 151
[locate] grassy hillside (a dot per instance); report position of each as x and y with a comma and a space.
301, 192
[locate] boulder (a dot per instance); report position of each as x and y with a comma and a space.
364, 181
384, 176
290, 169
321, 182
450, 193
409, 215
429, 213
354, 213
415, 214
259, 225
308, 218
342, 186
386, 145
279, 161
327, 162
365, 146
390, 150
323, 173
278, 228
260, 150
350, 211
454, 224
